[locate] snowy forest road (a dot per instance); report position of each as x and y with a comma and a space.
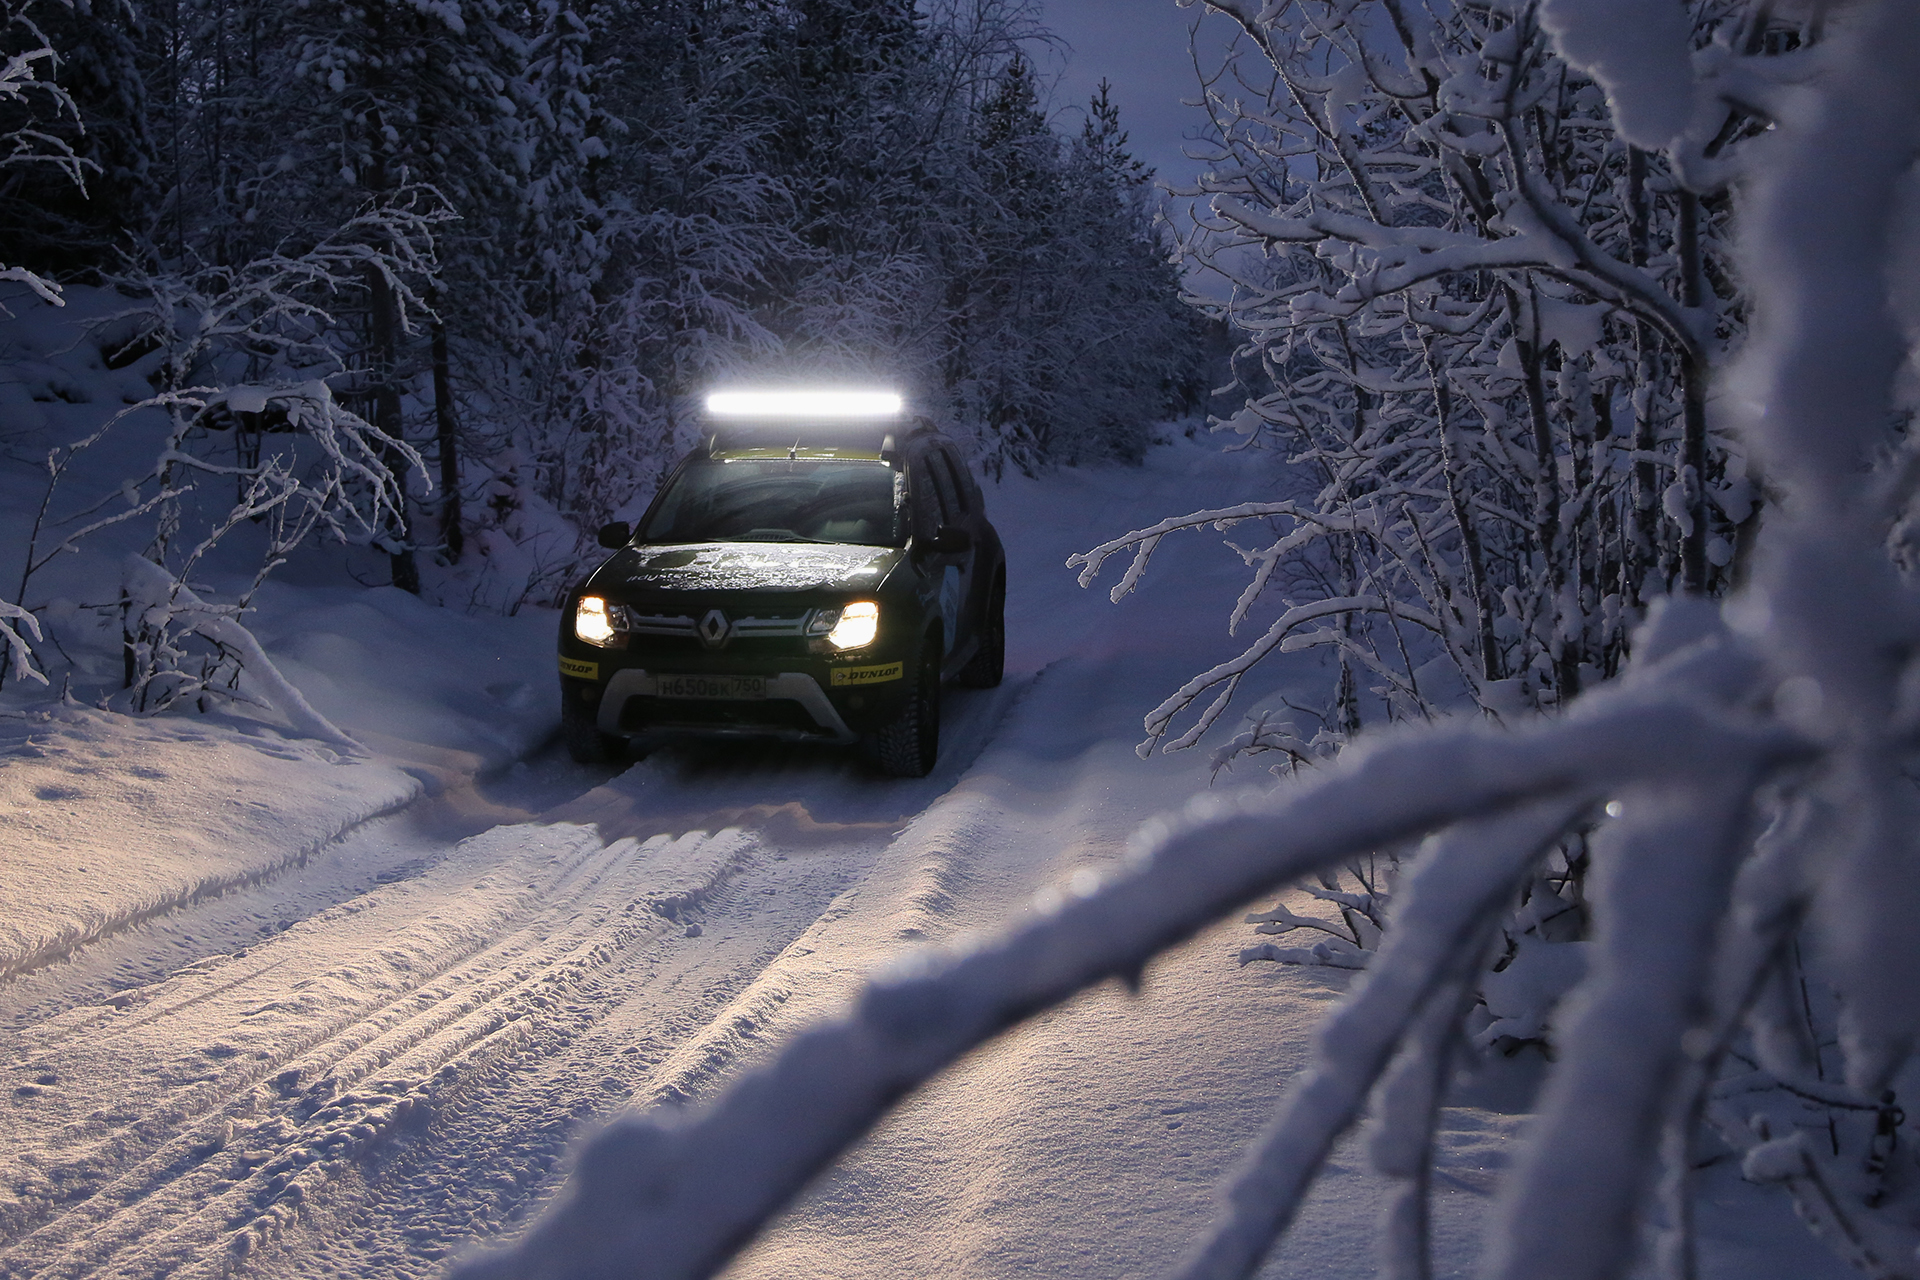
363, 1064
478, 997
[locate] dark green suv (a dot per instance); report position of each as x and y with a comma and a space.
811, 580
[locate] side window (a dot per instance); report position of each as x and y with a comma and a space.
955, 482
942, 473
928, 515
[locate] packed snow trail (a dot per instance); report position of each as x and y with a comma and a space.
360, 1064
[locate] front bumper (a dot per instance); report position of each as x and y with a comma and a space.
807, 690
759, 717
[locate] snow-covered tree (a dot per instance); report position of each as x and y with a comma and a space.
1482, 324
38, 124
689, 225
1066, 341
253, 445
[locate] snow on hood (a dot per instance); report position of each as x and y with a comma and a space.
766, 566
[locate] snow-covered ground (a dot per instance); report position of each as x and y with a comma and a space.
285, 1013
112, 819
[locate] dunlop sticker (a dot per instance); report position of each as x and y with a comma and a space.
868, 675
583, 670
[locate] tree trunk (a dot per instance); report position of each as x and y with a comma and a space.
450, 532
1490, 665
1693, 383
1646, 479
384, 361
1546, 497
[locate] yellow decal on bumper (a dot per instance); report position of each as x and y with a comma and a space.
868, 675
575, 667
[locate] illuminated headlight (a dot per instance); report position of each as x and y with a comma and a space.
851, 627
593, 621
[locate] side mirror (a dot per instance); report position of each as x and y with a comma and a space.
951, 540
614, 536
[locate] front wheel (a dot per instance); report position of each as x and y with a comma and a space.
907, 745
579, 726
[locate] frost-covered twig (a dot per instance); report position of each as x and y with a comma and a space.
29, 94
19, 653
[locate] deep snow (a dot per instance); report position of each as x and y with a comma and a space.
374, 1045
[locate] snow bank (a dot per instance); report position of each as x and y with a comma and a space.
110, 819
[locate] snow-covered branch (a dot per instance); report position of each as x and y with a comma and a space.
157, 602
19, 653
31, 96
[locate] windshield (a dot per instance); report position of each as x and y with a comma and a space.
779, 500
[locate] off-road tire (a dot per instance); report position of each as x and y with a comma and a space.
908, 745
989, 661
585, 743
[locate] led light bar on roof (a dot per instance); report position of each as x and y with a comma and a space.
820, 403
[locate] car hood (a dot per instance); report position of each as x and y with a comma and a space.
748, 566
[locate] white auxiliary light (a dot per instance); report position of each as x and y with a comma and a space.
822, 403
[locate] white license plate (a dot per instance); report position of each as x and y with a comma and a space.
710, 686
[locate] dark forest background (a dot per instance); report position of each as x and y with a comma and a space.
543, 229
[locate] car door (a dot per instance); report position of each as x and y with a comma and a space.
957, 583
944, 575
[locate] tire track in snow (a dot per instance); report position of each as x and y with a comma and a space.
429, 980
778, 945
60, 947
322, 1085
378, 851
494, 1153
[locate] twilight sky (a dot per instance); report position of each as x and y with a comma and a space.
1141, 46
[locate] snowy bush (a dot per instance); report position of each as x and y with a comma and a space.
1745, 776
252, 444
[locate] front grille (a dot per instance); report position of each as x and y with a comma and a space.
657, 624
766, 624
772, 624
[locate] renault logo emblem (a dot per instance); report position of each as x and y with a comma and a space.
714, 629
